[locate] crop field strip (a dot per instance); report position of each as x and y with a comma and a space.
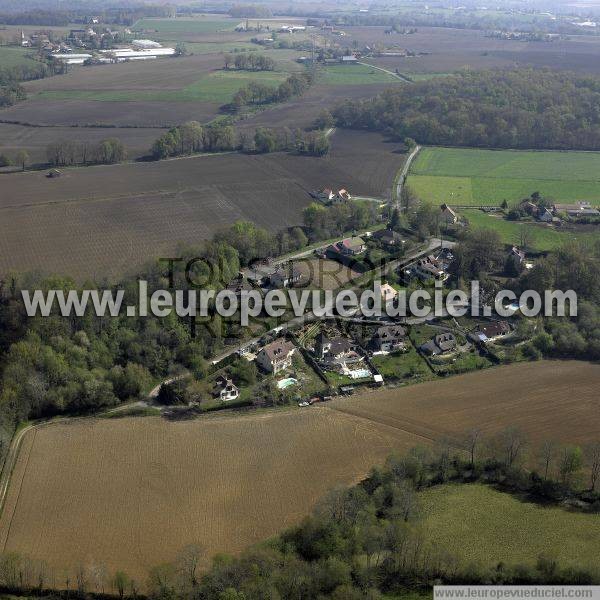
116, 487
128, 493
108, 220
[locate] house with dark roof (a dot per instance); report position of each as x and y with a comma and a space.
429, 268
387, 237
390, 338
285, 276
276, 356
336, 349
225, 389
442, 343
490, 332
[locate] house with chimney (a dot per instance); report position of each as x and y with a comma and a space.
276, 356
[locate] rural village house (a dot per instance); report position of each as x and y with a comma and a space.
335, 350
388, 293
276, 356
517, 257
225, 389
440, 344
391, 338
348, 247
387, 237
285, 276
430, 268
489, 333
449, 217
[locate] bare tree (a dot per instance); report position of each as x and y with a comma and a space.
472, 440
120, 583
548, 453
188, 561
592, 455
571, 462
405, 503
514, 442
81, 576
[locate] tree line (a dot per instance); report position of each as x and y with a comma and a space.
192, 137
521, 108
68, 153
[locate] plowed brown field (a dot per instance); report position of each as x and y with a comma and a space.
129, 493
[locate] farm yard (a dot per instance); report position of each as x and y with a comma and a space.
468, 177
108, 220
102, 492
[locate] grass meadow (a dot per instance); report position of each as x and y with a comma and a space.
215, 86
542, 237
488, 177
11, 56
483, 526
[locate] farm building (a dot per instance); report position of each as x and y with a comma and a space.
123, 54
71, 58
276, 356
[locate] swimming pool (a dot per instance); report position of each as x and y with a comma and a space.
286, 383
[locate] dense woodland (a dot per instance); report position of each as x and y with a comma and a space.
521, 108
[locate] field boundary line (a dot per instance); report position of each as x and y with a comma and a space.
402, 176
6, 487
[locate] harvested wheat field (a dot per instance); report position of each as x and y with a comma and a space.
549, 400
128, 493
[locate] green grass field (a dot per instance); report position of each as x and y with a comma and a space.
484, 526
11, 56
355, 75
487, 177
543, 238
217, 86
